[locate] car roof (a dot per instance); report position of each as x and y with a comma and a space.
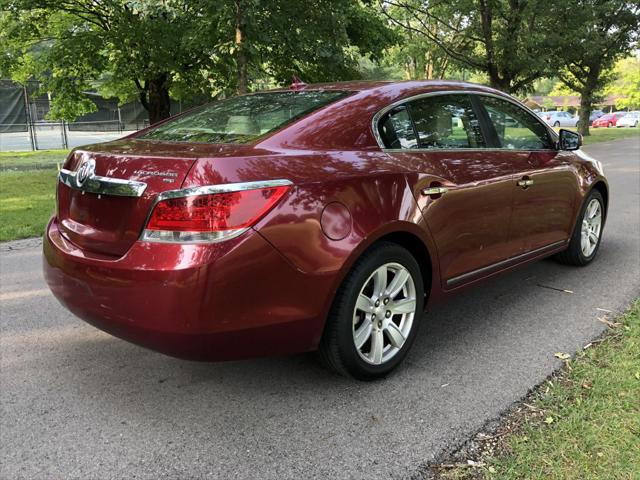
387, 86
347, 122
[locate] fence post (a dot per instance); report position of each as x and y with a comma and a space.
27, 112
65, 138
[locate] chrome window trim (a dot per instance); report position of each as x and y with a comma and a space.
470, 150
116, 187
376, 118
209, 190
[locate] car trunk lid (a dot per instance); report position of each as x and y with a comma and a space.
109, 223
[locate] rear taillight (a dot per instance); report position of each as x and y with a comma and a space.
211, 214
548, 117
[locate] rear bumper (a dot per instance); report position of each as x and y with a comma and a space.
230, 300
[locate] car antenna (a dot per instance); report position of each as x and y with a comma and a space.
297, 84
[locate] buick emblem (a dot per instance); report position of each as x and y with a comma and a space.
85, 171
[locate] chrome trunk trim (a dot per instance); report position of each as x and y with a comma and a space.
87, 181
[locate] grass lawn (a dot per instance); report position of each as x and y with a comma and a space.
27, 200
38, 159
607, 134
582, 424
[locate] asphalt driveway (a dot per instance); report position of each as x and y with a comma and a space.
77, 403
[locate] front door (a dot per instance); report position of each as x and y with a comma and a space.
464, 190
544, 185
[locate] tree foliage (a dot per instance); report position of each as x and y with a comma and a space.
182, 48
627, 83
502, 38
589, 36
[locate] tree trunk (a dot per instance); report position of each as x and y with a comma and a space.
586, 100
154, 97
496, 81
585, 113
241, 54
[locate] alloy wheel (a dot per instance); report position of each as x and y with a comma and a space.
591, 227
384, 313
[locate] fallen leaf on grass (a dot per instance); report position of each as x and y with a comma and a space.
587, 385
548, 420
531, 407
609, 323
562, 356
470, 463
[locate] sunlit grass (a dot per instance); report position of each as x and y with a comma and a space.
39, 158
27, 200
598, 135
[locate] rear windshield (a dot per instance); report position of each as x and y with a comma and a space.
242, 119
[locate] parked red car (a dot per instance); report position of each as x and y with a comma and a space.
608, 120
319, 218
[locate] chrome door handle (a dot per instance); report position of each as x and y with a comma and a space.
525, 183
434, 190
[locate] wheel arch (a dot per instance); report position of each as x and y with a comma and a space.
409, 236
601, 187
420, 252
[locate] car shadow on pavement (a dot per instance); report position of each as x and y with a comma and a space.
471, 327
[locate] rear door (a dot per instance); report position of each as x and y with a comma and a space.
545, 185
463, 190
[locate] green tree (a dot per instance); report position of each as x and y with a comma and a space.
419, 57
627, 83
316, 40
181, 48
502, 38
589, 36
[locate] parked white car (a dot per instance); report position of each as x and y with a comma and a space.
631, 119
559, 119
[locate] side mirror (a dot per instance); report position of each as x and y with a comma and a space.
569, 140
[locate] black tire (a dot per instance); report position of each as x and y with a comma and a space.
337, 348
574, 255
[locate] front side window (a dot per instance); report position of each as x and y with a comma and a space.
515, 127
446, 121
242, 119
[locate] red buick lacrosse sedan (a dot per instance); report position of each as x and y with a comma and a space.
323, 217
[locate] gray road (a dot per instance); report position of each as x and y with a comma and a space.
51, 138
77, 403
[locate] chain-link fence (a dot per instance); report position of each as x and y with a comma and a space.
24, 124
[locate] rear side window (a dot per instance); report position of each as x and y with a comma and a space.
446, 121
242, 119
515, 127
396, 129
